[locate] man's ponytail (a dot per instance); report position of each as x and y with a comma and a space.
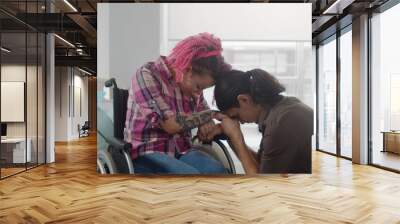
260, 85
264, 88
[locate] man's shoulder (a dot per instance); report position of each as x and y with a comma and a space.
292, 113
292, 107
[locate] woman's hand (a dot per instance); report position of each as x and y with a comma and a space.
207, 131
229, 126
171, 126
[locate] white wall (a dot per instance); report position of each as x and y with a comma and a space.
14, 72
80, 82
17, 73
67, 80
103, 41
128, 35
240, 21
61, 103
132, 34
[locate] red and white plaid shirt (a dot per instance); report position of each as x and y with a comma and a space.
153, 96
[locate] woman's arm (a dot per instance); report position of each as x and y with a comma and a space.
148, 89
181, 122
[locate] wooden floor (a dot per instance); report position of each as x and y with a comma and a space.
10, 171
70, 191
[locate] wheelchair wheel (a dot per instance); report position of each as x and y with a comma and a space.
100, 168
105, 164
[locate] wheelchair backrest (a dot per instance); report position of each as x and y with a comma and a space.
86, 125
120, 100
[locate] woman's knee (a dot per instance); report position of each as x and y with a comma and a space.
203, 162
163, 163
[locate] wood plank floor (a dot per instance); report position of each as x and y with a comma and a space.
70, 191
10, 171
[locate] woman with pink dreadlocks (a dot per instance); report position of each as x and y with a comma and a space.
166, 101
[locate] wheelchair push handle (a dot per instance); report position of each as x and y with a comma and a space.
111, 82
216, 138
221, 137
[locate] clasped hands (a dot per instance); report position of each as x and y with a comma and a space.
228, 126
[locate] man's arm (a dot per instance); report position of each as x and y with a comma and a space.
253, 154
236, 140
247, 157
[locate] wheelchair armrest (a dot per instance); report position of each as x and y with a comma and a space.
118, 144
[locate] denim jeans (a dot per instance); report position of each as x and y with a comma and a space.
192, 162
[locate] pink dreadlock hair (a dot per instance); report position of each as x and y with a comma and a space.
202, 45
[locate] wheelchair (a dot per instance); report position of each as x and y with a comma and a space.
113, 155
83, 130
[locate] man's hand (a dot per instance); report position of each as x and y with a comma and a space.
230, 127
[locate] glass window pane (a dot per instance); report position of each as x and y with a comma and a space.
31, 97
386, 89
32, 88
346, 94
22, 63
314, 74
14, 153
327, 96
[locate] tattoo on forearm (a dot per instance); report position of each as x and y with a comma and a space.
196, 119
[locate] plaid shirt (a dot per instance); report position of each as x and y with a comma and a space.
153, 96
